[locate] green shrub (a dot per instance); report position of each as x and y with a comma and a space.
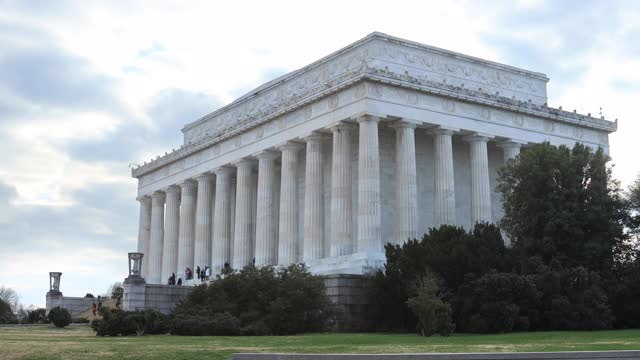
434, 315
59, 317
81, 320
256, 301
37, 316
116, 322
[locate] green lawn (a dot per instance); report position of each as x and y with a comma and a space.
78, 342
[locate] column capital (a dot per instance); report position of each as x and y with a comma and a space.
267, 155
188, 184
512, 143
402, 124
223, 170
144, 199
173, 189
367, 118
314, 136
290, 146
204, 177
443, 130
158, 195
340, 126
477, 137
244, 162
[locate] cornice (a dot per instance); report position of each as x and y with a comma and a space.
445, 90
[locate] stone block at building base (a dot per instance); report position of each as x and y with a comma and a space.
348, 293
163, 298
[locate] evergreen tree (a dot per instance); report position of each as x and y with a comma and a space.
563, 204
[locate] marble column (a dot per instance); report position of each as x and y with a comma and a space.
341, 201
202, 246
369, 217
266, 226
243, 249
406, 182
157, 238
221, 249
171, 232
187, 235
314, 199
144, 232
510, 149
445, 195
480, 188
288, 235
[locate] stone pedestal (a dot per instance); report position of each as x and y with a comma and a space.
54, 298
133, 297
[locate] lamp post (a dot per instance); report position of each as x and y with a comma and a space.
135, 263
135, 268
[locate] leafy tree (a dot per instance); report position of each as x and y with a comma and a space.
452, 253
37, 316
6, 315
89, 296
633, 198
9, 296
563, 204
572, 299
115, 290
59, 317
434, 315
496, 302
623, 289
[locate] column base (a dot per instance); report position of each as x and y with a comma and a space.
361, 263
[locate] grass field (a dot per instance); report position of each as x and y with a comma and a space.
79, 342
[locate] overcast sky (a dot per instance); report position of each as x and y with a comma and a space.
88, 87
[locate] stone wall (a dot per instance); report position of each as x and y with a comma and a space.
141, 296
75, 305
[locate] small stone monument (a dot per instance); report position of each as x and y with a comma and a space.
134, 284
54, 296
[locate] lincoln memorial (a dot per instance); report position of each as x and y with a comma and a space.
372, 144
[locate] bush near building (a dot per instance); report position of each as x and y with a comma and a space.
59, 317
256, 301
117, 322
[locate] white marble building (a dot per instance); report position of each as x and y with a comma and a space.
374, 143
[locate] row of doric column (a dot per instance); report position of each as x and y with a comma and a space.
216, 221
